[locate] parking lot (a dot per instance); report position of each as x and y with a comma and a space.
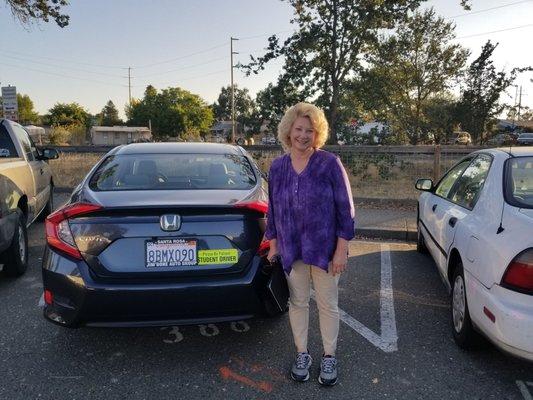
395, 342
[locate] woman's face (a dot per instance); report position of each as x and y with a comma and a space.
302, 135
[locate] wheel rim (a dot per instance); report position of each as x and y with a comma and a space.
22, 245
459, 304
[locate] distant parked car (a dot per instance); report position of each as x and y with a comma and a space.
525, 139
269, 140
476, 222
501, 139
461, 138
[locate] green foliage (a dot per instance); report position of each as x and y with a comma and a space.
27, 115
408, 70
479, 102
326, 48
245, 108
59, 135
63, 114
73, 134
109, 115
440, 117
274, 100
172, 112
27, 11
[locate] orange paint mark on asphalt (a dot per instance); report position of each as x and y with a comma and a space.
254, 368
227, 373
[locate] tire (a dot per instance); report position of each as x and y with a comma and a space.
420, 241
463, 332
49, 207
15, 258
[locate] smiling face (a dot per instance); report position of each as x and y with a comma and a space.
302, 134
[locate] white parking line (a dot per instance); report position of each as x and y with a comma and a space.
524, 390
388, 340
41, 301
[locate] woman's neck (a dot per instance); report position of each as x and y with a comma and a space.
302, 155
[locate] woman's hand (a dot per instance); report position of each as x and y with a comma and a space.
273, 250
340, 257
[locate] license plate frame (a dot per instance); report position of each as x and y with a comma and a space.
170, 253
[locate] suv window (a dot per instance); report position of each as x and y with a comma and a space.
446, 183
7, 147
25, 141
468, 187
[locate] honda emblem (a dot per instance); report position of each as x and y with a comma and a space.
170, 222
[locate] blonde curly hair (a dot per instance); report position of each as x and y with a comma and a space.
315, 115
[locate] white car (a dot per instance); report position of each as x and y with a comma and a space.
477, 223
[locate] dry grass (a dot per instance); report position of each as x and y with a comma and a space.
374, 176
70, 168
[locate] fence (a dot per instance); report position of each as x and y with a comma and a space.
374, 171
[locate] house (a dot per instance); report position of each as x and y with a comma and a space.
507, 125
115, 135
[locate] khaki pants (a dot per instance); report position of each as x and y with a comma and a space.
326, 295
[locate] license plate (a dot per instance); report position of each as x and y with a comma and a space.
170, 253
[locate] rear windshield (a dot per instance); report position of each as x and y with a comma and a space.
526, 135
519, 182
172, 172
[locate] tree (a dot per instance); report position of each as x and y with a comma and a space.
244, 106
27, 114
274, 100
327, 46
440, 117
479, 103
172, 112
109, 115
410, 68
27, 11
63, 114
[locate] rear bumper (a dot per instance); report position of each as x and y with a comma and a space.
512, 329
81, 300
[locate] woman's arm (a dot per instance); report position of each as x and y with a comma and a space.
344, 216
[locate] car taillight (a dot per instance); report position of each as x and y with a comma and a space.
58, 234
256, 205
519, 273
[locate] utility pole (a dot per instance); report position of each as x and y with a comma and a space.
232, 92
129, 85
519, 102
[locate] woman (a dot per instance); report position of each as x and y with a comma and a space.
310, 221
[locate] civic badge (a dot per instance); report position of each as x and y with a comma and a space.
170, 222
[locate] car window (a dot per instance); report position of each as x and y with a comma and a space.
446, 183
468, 187
173, 171
24, 140
519, 182
7, 147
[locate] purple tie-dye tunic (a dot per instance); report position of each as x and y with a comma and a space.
309, 211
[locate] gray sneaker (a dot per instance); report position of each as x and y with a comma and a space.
328, 371
300, 368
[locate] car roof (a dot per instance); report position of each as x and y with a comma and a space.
179, 148
515, 151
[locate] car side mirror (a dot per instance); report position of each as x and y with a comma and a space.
50, 154
424, 184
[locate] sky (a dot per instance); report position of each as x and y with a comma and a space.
187, 44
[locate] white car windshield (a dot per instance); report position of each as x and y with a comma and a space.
520, 181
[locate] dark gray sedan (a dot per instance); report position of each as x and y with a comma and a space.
162, 234
525, 139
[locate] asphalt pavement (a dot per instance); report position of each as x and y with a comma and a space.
395, 342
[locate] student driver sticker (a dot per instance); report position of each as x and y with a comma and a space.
210, 257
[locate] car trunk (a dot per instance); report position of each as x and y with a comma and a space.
126, 240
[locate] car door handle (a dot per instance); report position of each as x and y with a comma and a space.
434, 207
452, 221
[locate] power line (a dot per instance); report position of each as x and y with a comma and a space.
266, 34
188, 78
183, 68
25, 59
488, 9
498, 31
62, 75
181, 57
32, 56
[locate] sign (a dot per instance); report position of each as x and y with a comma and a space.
9, 102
